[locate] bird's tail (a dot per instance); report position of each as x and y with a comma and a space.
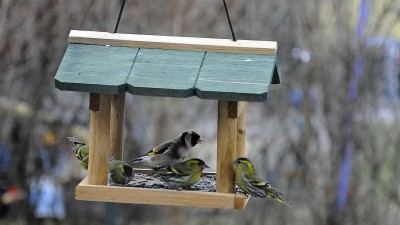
281, 200
135, 160
75, 141
162, 170
275, 194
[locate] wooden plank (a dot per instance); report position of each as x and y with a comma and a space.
226, 149
241, 132
167, 73
97, 69
102, 193
99, 145
235, 77
241, 201
117, 123
173, 43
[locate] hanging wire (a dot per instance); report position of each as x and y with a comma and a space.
119, 16
229, 21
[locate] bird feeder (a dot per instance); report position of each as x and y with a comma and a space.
107, 65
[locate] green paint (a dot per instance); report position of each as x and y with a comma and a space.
235, 77
95, 68
169, 73
172, 73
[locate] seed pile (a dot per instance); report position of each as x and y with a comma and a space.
205, 184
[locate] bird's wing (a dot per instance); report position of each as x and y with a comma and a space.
160, 149
251, 188
255, 180
259, 182
181, 169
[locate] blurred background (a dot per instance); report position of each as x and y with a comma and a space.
328, 136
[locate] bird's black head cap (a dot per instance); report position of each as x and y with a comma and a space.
195, 138
128, 171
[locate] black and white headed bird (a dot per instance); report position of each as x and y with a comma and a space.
170, 152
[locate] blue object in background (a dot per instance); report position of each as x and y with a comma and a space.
4, 159
345, 174
112, 212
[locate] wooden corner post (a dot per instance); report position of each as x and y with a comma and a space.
230, 142
226, 147
117, 122
241, 130
99, 143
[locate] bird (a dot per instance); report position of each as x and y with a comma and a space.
170, 152
119, 171
251, 183
183, 174
81, 150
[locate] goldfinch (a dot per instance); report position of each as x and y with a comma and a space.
183, 174
119, 171
81, 151
170, 152
247, 179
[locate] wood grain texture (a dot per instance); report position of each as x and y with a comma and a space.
226, 149
117, 123
93, 68
167, 73
173, 43
87, 192
240, 202
241, 131
235, 77
99, 145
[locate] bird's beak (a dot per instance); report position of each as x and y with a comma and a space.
235, 162
201, 141
205, 166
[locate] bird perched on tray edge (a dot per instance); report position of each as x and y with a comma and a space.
81, 150
182, 174
119, 171
248, 180
170, 152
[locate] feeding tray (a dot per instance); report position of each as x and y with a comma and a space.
108, 65
160, 196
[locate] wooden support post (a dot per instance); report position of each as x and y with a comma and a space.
241, 131
226, 147
117, 122
99, 145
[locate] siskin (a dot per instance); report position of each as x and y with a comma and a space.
248, 180
170, 152
119, 171
81, 151
183, 174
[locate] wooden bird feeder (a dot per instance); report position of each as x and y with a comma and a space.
107, 65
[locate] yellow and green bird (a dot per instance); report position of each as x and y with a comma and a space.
248, 180
183, 174
81, 150
120, 172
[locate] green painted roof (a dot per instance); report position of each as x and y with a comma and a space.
169, 73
